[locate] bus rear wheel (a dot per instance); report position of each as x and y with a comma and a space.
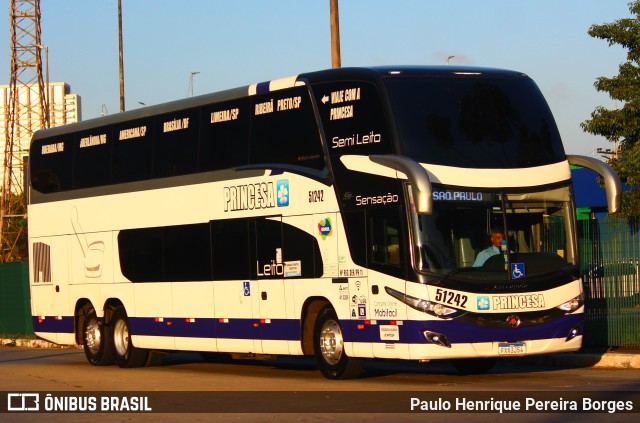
126, 354
329, 348
96, 339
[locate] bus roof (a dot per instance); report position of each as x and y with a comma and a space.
377, 72
350, 73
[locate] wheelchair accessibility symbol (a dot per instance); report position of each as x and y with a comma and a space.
517, 270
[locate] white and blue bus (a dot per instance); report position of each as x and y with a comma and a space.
336, 213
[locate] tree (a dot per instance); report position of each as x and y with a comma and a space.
14, 245
622, 126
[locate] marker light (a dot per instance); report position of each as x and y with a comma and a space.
436, 338
575, 331
435, 309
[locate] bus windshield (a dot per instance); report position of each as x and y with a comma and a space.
474, 121
536, 226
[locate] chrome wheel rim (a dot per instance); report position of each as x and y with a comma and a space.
121, 337
331, 342
93, 336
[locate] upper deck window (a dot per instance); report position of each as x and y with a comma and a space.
284, 130
474, 121
353, 118
276, 129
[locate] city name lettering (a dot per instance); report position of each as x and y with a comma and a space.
457, 196
138, 132
176, 125
93, 140
264, 108
224, 115
53, 148
289, 103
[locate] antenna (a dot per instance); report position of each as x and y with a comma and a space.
26, 113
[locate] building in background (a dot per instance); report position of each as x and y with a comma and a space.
64, 108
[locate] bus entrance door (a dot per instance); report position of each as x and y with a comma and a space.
270, 316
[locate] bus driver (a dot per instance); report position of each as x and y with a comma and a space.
496, 237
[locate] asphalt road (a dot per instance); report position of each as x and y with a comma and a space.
292, 389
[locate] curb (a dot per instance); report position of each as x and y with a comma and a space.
33, 343
605, 360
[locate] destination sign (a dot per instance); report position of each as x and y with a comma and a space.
460, 196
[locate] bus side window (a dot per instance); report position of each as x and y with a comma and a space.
230, 249
224, 136
187, 253
132, 151
301, 249
355, 226
92, 158
51, 162
383, 239
175, 150
284, 130
268, 248
141, 254
357, 124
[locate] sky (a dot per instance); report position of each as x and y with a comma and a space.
240, 42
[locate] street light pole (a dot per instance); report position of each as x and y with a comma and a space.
121, 56
190, 93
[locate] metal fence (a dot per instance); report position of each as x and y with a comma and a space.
15, 307
610, 252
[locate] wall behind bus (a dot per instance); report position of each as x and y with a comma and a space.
15, 306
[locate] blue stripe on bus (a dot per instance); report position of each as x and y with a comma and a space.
53, 324
262, 87
410, 332
276, 329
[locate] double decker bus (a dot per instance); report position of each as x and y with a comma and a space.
336, 213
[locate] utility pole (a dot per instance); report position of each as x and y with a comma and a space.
26, 113
121, 55
335, 34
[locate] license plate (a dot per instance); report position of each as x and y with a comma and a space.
512, 349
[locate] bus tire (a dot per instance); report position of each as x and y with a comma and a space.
330, 356
97, 340
126, 355
473, 366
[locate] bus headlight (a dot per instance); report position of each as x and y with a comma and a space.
573, 304
429, 307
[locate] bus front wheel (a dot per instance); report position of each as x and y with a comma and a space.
126, 354
96, 339
329, 348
